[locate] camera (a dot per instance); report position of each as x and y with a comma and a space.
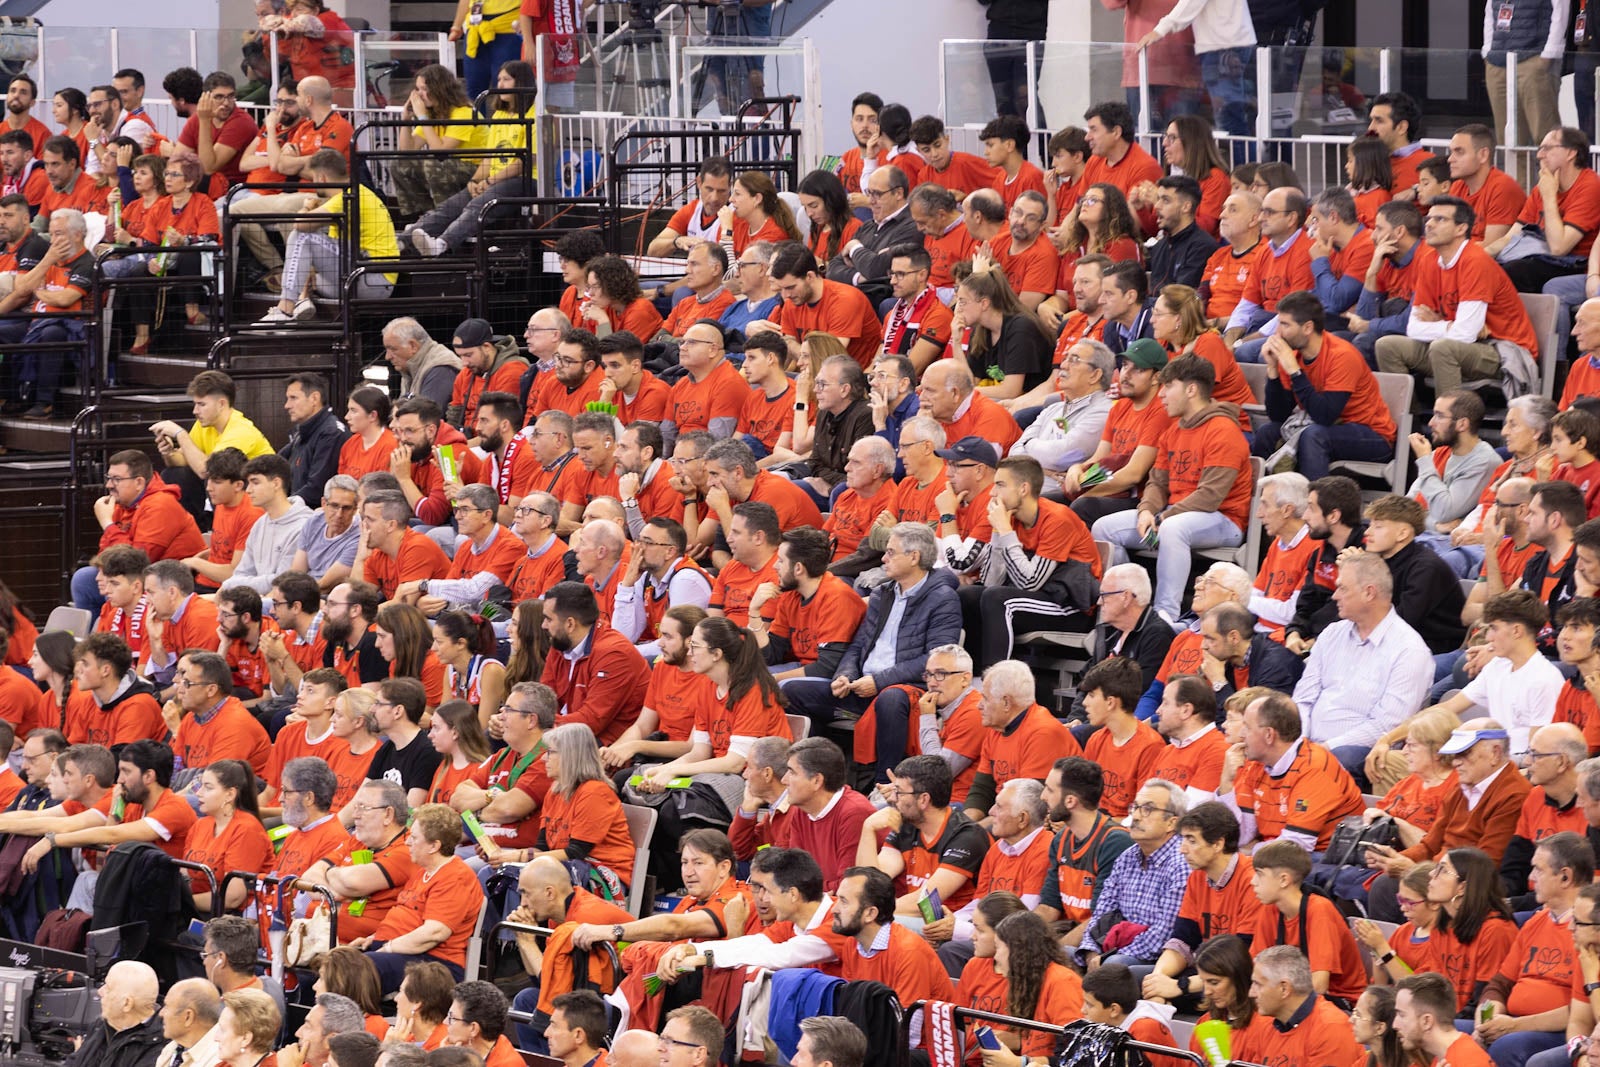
46, 1003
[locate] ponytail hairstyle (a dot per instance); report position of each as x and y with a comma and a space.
474, 629
237, 775
409, 628
758, 184
747, 667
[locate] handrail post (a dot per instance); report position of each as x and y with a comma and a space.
1144, 93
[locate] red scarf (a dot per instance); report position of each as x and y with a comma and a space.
135, 636
502, 472
906, 317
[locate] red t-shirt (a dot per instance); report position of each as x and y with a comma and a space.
451, 896
1226, 275
1475, 276
841, 310
1033, 270
1498, 201
1579, 206
719, 395
1275, 276
1339, 368
418, 558
243, 845
1186, 452
173, 820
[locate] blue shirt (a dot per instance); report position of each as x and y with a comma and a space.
884, 652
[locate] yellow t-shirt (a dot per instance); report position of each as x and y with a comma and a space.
511, 138
376, 239
461, 128
240, 433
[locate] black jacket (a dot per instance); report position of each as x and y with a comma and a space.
871, 260
1315, 611
1267, 663
1427, 595
1180, 260
1534, 574
833, 437
313, 455
931, 618
137, 1046
1147, 644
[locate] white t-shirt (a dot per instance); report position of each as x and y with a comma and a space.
1521, 700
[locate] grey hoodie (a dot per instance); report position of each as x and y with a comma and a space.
270, 548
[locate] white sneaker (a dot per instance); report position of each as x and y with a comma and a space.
305, 309
275, 315
427, 245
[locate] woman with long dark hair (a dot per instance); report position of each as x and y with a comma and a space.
51, 662
1373, 1022
458, 737
444, 117
403, 638
1039, 984
229, 835
616, 302
1225, 967
70, 108
466, 644
1366, 165
529, 644
754, 213
1006, 339
981, 986
1102, 222
347, 972
1474, 928
1190, 147
827, 205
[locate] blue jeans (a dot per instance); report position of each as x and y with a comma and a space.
1353, 758
1570, 290
1180, 535
1230, 76
1250, 351
392, 967
86, 589
529, 1039
1513, 1050
1583, 67
1320, 445
482, 68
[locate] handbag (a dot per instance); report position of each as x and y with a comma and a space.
307, 939
1352, 837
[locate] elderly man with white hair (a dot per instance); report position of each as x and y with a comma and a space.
1021, 738
1067, 429
129, 1034
1127, 626
1222, 583
1145, 886
427, 368
635, 1048
1368, 672
1283, 518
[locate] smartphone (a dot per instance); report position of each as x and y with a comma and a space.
987, 1039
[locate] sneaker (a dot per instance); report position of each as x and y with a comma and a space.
305, 309
426, 245
277, 314
39, 411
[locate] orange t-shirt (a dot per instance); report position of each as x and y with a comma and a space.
1028, 750
394, 862
1475, 276
1275, 276
1033, 270
1540, 962
914, 502
532, 575
946, 250
831, 616
593, 814
196, 219
1498, 201
649, 402
1576, 705
230, 525
639, 318
451, 896
327, 840
335, 132
500, 557
1125, 767
1540, 818
1225, 277
1470, 965
1417, 802
1058, 534
1339, 368
752, 717
1579, 207
1233, 909
736, 583
852, 516
552, 394
719, 395
1197, 764
1231, 387
1310, 797
766, 417
986, 419
691, 309
1186, 452
417, 558
349, 769
743, 237
470, 386
232, 733
84, 196
841, 310
1129, 428
675, 694
1060, 1002
242, 845
1022, 874
1583, 379
792, 503
358, 461
135, 718
172, 814
1283, 572
1328, 943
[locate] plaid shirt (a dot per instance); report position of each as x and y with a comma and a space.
1148, 891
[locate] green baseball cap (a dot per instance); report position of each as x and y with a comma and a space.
1146, 354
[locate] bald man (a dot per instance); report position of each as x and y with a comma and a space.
129, 1034
634, 1048
187, 1017
1554, 753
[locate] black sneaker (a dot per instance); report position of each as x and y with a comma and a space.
39, 411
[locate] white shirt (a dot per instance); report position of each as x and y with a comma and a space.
1521, 700
1354, 691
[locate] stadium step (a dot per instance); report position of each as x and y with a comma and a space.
156, 369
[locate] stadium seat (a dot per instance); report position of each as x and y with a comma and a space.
799, 726
641, 827
1544, 312
1397, 392
76, 621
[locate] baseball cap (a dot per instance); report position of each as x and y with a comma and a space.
474, 332
1146, 354
971, 448
1461, 740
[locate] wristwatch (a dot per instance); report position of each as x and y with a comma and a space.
616, 932
799, 405
422, 587
1386, 957
1591, 988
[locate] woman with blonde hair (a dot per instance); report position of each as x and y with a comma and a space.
1007, 351
1178, 321
458, 736
247, 1029
1414, 801
355, 722
754, 213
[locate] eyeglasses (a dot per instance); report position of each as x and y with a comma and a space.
664, 1041
1541, 755
1149, 809
523, 511
1091, 200
873, 194
507, 709
1406, 905
939, 677
454, 1018
642, 543
173, 174
1104, 593
562, 361
115, 479
228, 614
336, 603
